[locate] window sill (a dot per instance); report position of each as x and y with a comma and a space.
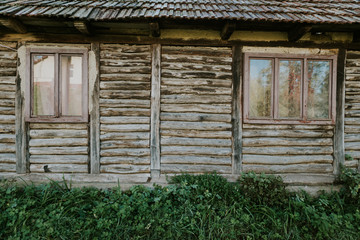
293, 122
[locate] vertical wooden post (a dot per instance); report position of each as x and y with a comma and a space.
21, 128
236, 118
339, 146
155, 111
94, 110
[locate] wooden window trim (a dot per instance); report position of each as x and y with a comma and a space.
276, 58
57, 118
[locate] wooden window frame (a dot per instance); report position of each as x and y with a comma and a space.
57, 53
276, 58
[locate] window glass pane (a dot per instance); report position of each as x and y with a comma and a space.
43, 85
260, 88
71, 85
289, 88
318, 89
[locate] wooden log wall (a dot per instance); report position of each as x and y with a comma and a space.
8, 63
289, 150
196, 95
125, 79
352, 109
59, 148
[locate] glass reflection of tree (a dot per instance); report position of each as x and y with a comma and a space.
318, 89
264, 80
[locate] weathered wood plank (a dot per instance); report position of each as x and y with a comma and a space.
125, 160
196, 82
182, 57
352, 121
7, 148
125, 144
193, 98
196, 133
124, 112
191, 150
124, 85
280, 141
296, 168
352, 138
197, 51
204, 126
190, 66
307, 179
7, 119
286, 160
352, 153
58, 150
288, 150
352, 129
58, 142
59, 159
352, 145
8, 158
199, 90
125, 168
287, 133
135, 152
58, 133
55, 126
198, 160
125, 77
7, 103
7, 167
124, 127
124, 94
198, 108
180, 168
124, 135
125, 120
58, 168
195, 117
178, 141
351, 164
123, 103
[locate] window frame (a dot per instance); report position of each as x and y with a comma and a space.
57, 53
276, 58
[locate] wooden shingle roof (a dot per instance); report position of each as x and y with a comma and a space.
290, 11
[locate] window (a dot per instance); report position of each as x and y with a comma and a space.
289, 89
56, 86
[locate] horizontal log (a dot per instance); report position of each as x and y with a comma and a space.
7, 138
124, 112
352, 70
124, 85
204, 126
352, 77
7, 95
352, 113
7, 148
288, 150
124, 48
193, 98
125, 94
351, 164
195, 133
198, 108
296, 168
190, 66
185, 168
352, 146
201, 90
197, 51
286, 127
123, 135
115, 70
307, 179
125, 160
8, 71
58, 133
8, 54
130, 63
196, 82
8, 80
7, 167
7, 103
352, 121
58, 168
7, 158
7, 119
196, 150
209, 59
286, 160
352, 129
268, 141
124, 127
7, 111
7, 87
124, 103
198, 160
59, 159
177, 141
352, 138
73, 126
124, 168
7, 128
58, 142
288, 133
125, 57
125, 144
125, 77
58, 150
195, 117
353, 154
135, 152
124, 120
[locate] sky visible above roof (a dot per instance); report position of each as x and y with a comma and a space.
292, 11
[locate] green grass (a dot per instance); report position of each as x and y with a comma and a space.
191, 207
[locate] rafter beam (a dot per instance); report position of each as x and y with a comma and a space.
13, 24
154, 29
227, 30
82, 27
298, 32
